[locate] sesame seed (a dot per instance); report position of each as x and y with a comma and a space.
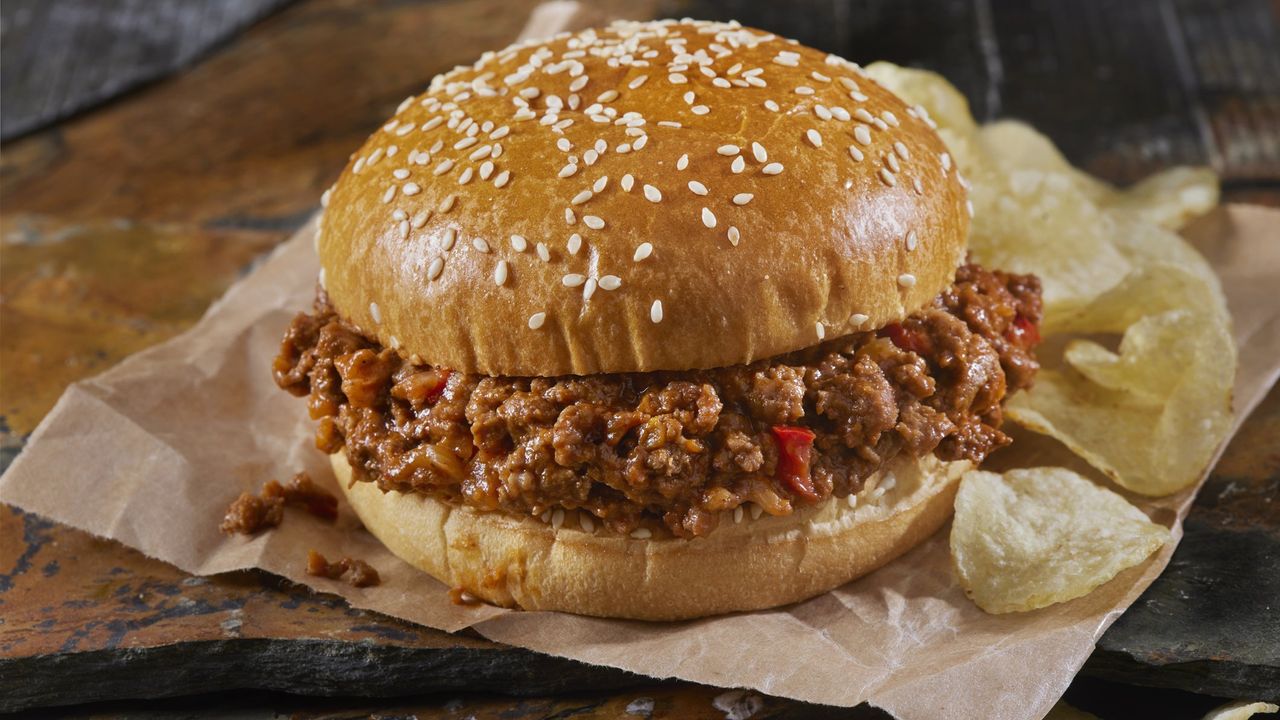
840, 113
373, 310
435, 268
564, 145
641, 534
738, 165
862, 134
573, 280
500, 273
742, 198
804, 90
655, 312
640, 142
756, 511
502, 178
700, 109
912, 240
584, 519
568, 170
863, 115
907, 280
721, 83
536, 320
697, 188
737, 515
819, 76
628, 182
544, 253
728, 150
398, 214
464, 178
880, 124
773, 168
669, 123
901, 149
708, 218
771, 106
400, 173
946, 162
915, 184
820, 330
822, 112
855, 153
677, 78
683, 162
403, 229
589, 289
500, 133
689, 97
610, 282
486, 169
444, 167
734, 235
465, 143
758, 152
643, 250
569, 216
447, 204
858, 319
574, 244
888, 177
892, 162
890, 118
652, 194
582, 197
518, 243
968, 206
390, 193
857, 97
420, 219
593, 222
637, 82
600, 184
480, 244
813, 137
450, 237
578, 84
557, 515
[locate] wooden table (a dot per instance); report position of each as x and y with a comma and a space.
122, 224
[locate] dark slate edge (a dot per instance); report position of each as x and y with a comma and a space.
300, 667
1220, 678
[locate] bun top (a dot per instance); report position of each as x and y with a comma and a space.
650, 196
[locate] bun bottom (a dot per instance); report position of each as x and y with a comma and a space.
750, 565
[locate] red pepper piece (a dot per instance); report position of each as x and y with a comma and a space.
905, 339
1023, 331
442, 379
795, 445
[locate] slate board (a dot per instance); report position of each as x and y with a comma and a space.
58, 57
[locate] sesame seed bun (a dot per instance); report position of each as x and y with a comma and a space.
754, 564
651, 196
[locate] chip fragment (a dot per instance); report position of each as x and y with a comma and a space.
1038, 536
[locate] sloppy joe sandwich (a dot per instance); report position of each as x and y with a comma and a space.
656, 321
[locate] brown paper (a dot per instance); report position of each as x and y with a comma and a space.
151, 453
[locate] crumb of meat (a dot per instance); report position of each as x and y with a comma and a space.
302, 492
251, 514
362, 573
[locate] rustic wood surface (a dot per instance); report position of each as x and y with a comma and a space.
119, 226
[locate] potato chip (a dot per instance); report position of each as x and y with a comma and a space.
1171, 198
1038, 536
1241, 710
1152, 415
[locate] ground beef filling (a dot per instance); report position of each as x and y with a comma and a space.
675, 449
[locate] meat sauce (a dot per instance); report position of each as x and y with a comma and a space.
675, 449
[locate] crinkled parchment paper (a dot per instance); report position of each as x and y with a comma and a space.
151, 453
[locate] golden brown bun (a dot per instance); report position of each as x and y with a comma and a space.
828, 246
755, 564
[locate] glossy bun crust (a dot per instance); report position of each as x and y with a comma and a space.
755, 564
820, 205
